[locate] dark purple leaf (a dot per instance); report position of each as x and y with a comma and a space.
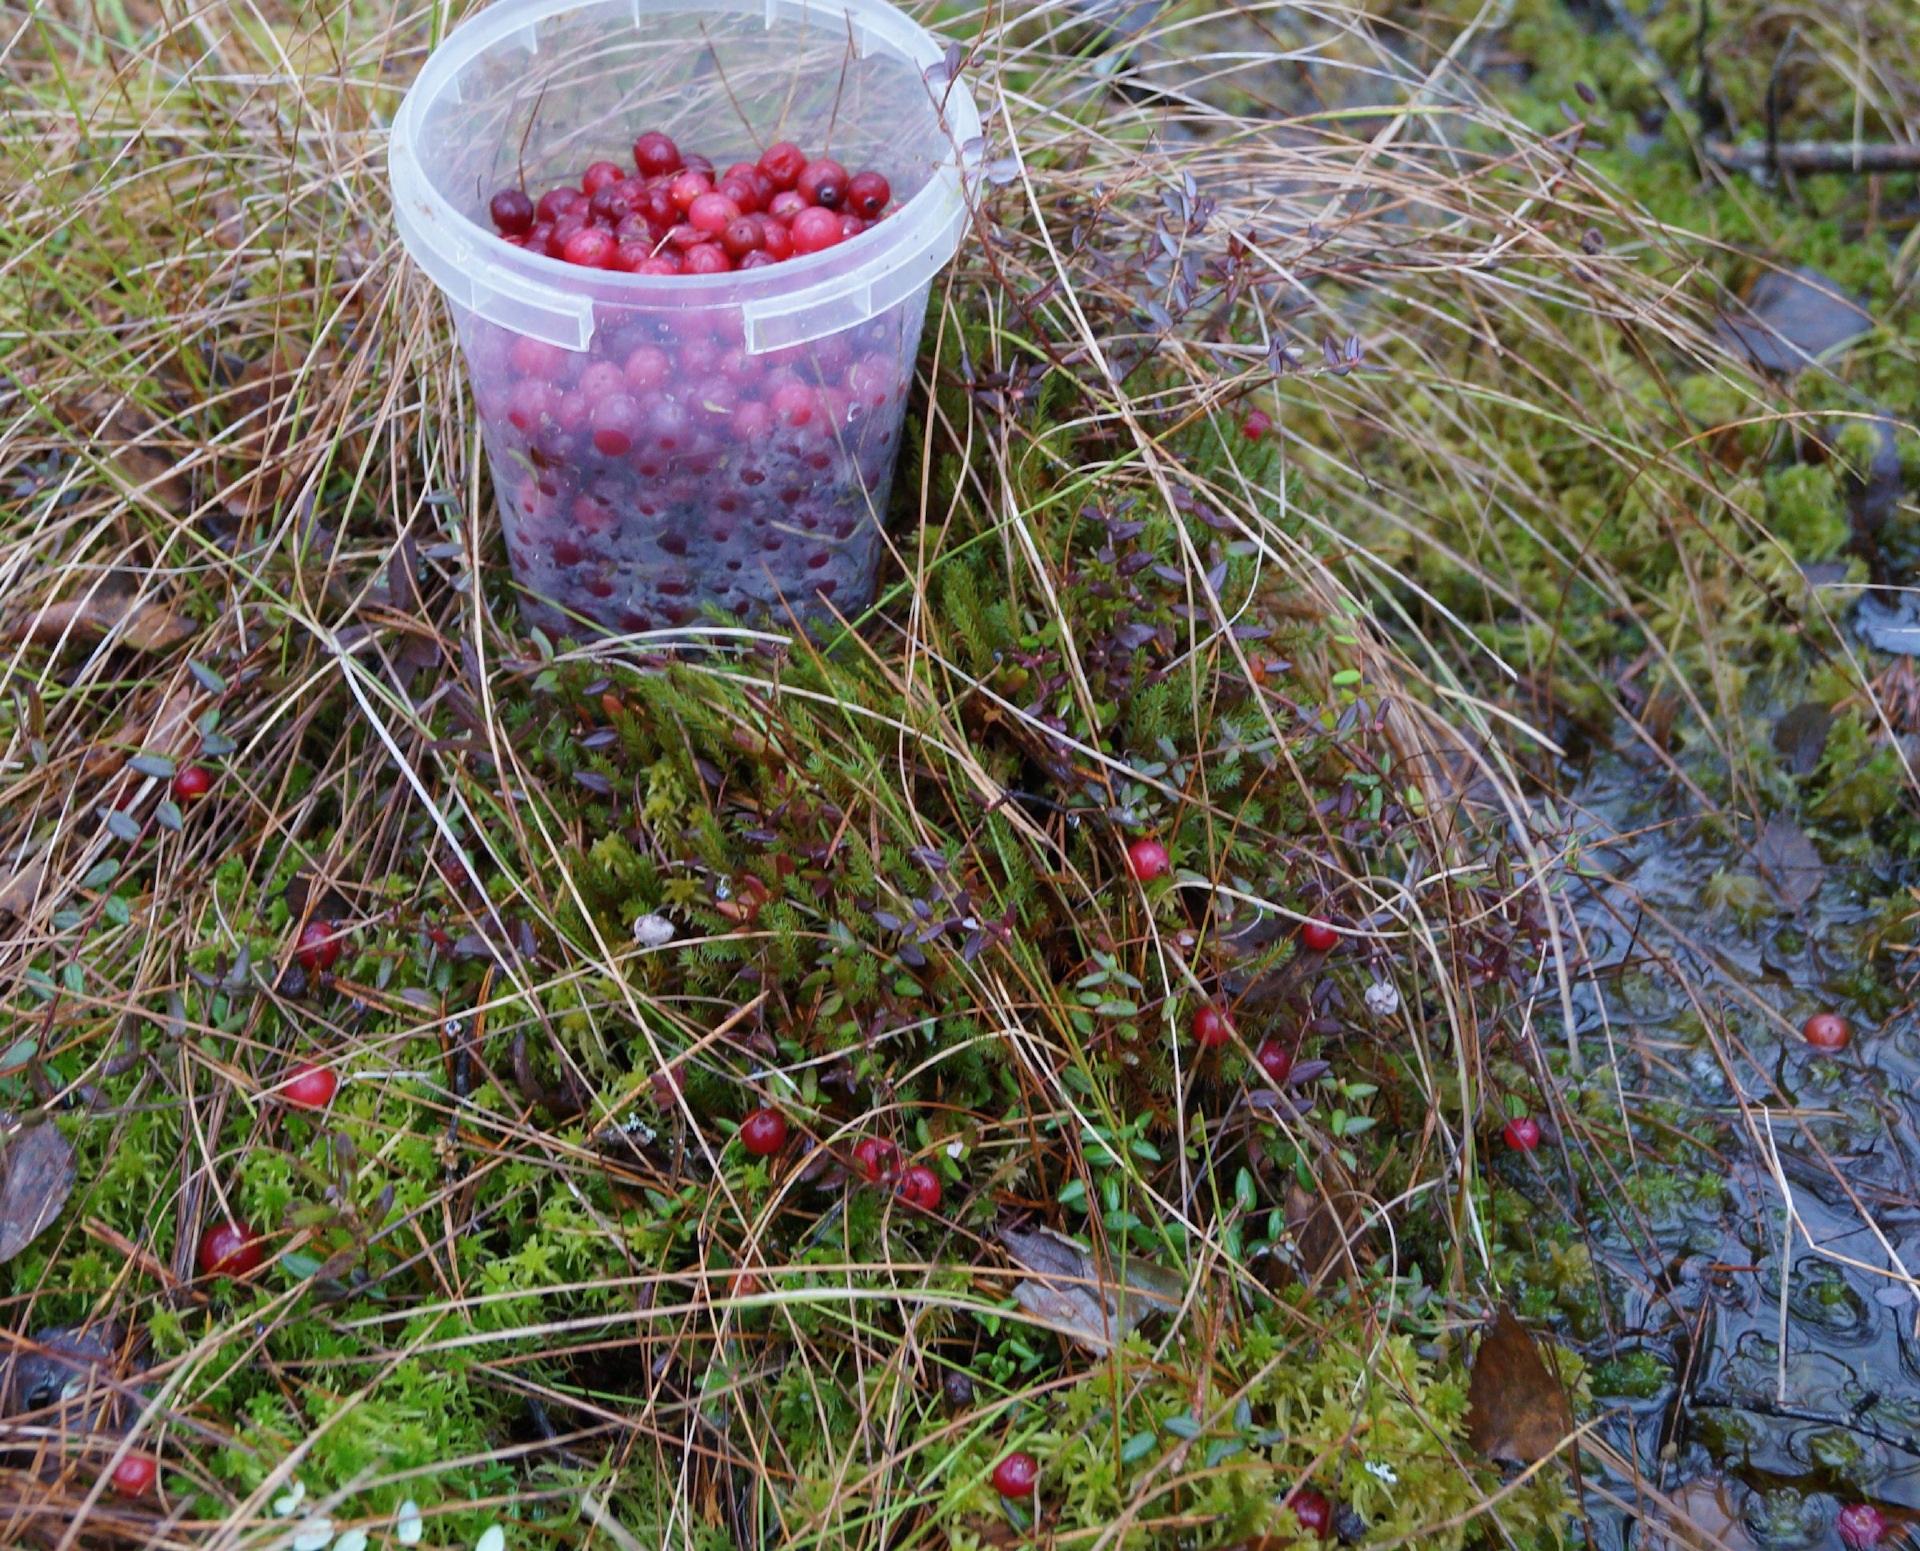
593, 781
1306, 1071
887, 921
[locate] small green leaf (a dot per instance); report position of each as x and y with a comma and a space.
1243, 1190
216, 744
74, 978
19, 1053
210, 681
1074, 1193
1138, 1447
1140, 1147
299, 1266
1223, 1448
122, 826
1346, 676
116, 911
100, 874
167, 815
156, 765
1117, 1010
1182, 1426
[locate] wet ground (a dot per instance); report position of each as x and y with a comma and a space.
1702, 971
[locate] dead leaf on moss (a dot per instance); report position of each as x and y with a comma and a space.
39, 1177
122, 433
142, 623
1516, 1408
19, 892
1070, 1290
1327, 1231
1790, 862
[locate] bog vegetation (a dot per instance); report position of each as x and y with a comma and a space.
1329, 444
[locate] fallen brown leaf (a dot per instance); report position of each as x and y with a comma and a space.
141, 623
122, 432
19, 892
39, 1177
1516, 1408
1326, 1229
1070, 1290
1790, 862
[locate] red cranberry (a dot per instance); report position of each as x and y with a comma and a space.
867, 194
688, 187
536, 358
793, 403
742, 192
1312, 1509
591, 248
920, 1187
647, 367
1523, 1135
192, 783
1256, 425
512, 212
785, 205
783, 162
655, 155
752, 422
1275, 1060
707, 258
741, 238
229, 1249
318, 948
598, 176
537, 237
661, 264
764, 1132
1860, 1525
1016, 1475
310, 1087
616, 421
759, 258
815, 230
823, 183
1147, 860
134, 1476
1211, 1027
851, 225
712, 214
1319, 937
685, 235
611, 206
556, 202
776, 238
876, 1158
693, 161
1827, 1032
602, 379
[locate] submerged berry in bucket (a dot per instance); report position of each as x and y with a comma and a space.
633, 223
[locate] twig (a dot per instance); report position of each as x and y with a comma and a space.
1817, 156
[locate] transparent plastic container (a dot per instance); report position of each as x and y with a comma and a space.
749, 463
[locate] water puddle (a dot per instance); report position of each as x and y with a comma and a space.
1756, 1252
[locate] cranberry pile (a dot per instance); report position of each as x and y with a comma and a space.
672, 216
667, 467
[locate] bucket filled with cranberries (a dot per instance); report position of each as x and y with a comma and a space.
687, 246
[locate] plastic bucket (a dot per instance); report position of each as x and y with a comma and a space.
716, 499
